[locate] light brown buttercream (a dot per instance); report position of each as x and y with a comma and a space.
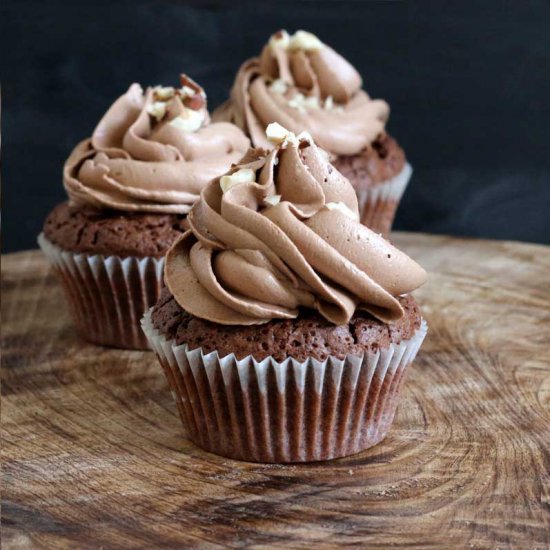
351, 124
134, 162
245, 262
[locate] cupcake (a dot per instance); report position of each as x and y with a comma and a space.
130, 187
304, 84
286, 325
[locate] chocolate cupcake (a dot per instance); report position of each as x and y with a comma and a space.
286, 326
130, 187
304, 84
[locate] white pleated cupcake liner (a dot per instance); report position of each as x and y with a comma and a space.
108, 295
290, 411
378, 203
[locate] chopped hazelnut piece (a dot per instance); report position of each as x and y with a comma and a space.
164, 93
276, 133
157, 110
189, 121
273, 200
278, 86
280, 39
244, 175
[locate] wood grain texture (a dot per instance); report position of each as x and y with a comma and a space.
94, 455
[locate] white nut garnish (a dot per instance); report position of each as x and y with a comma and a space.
343, 208
311, 102
157, 110
303, 40
273, 200
297, 103
278, 86
187, 91
301, 102
164, 93
280, 39
276, 133
329, 105
244, 175
189, 121
279, 135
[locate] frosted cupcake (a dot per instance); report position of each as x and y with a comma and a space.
130, 187
286, 325
303, 84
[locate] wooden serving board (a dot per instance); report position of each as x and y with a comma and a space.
94, 455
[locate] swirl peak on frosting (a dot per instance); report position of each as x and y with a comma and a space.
302, 83
153, 151
281, 231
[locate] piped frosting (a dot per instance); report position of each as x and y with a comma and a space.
279, 232
303, 84
153, 151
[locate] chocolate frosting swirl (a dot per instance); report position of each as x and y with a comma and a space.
304, 84
152, 151
281, 232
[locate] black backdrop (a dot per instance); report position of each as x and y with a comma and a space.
468, 83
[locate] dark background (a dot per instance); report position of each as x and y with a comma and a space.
468, 83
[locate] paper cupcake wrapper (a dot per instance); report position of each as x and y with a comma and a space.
107, 295
269, 411
378, 203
